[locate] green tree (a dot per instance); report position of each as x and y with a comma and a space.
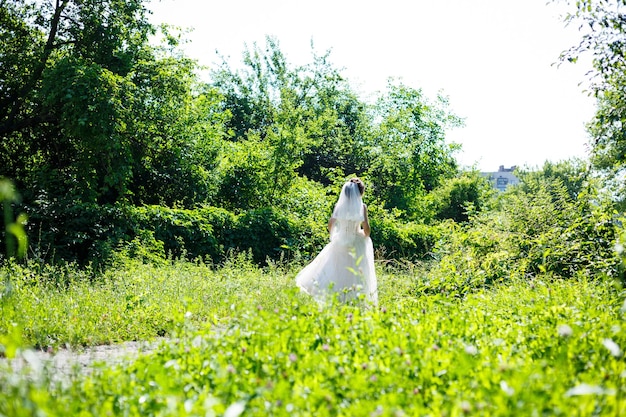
61, 81
407, 152
458, 197
604, 36
89, 109
285, 121
93, 113
572, 173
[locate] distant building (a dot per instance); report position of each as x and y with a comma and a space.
502, 178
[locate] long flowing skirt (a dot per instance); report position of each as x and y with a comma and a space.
346, 267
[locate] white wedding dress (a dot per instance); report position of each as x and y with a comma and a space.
346, 265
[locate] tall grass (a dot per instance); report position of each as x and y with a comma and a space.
243, 341
60, 306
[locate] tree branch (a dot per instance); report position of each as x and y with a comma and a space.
16, 100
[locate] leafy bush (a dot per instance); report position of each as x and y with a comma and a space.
537, 230
268, 233
456, 198
184, 233
395, 239
69, 230
13, 236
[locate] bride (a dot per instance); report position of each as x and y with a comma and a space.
346, 265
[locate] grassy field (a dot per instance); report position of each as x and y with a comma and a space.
240, 340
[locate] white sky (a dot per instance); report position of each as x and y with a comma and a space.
494, 59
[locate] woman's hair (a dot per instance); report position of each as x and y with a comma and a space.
359, 184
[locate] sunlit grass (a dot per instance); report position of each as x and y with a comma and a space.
243, 341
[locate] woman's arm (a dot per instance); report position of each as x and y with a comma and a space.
366, 222
331, 222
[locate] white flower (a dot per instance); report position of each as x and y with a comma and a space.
612, 347
235, 409
471, 350
505, 387
584, 389
564, 330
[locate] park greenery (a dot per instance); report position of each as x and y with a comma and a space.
143, 202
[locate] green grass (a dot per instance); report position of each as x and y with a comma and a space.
58, 307
243, 341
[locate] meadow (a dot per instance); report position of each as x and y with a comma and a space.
241, 340
121, 164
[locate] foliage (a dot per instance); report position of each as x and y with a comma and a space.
620, 246
13, 235
536, 229
91, 109
604, 36
307, 119
407, 152
68, 230
399, 240
551, 347
572, 173
459, 197
183, 233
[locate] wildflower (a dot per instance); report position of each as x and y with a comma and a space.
584, 389
465, 407
293, 357
235, 409
471, 350
506, 388
612, 347
564, 330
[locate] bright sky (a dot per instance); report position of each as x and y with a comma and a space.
494, 59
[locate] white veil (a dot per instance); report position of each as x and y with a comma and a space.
350, 203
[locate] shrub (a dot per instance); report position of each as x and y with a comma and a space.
266, 232
541, 230
398, 239
74, 231
184, 233
457, 197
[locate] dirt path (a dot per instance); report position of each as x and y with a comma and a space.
67, 362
